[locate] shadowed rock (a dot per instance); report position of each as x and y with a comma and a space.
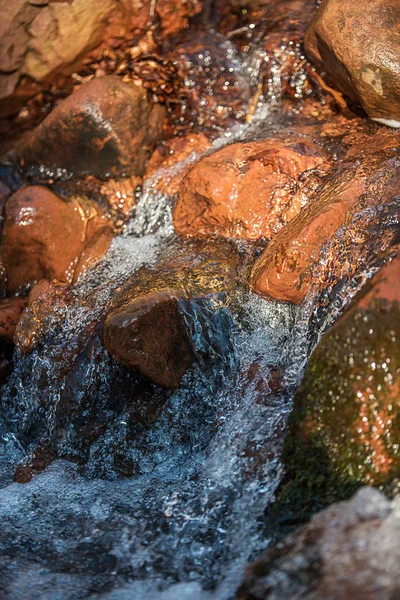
105, 127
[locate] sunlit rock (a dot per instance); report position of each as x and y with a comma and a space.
362, 195
103, 128
357, 46
248, 190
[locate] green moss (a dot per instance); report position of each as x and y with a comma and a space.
344, 430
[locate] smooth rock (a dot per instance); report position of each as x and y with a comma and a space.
43, 236
105, 127
10, 313
247, 190
357, 46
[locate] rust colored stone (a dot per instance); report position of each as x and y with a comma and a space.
368, 177
10, 313
43, 236
357, 46
246, 190
94, 251
104, 127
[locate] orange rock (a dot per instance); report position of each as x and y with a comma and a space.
246, 190
357, 46
43, 237
104, 127
94, 250
369, 176
173, 161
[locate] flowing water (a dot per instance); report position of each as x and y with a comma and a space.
202, 463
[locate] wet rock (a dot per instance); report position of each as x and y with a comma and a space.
348, 551
94, 251
45, 299
357, 46
174, 159
344, 428
147, 332
43, 236
247, 190
105, 127
362, 195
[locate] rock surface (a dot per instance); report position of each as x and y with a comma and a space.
358, 47
105, 127
94, 251
246, 190
365, 182
43, 236
147, 332
350, 550
10, 313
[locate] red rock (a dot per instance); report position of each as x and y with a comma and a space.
357, 46
172, 160
104, 127
10, 313
43, 237
369, 176
246, 190
44, 300
93, 252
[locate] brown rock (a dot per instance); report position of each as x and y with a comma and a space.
94, 251
43, 236
10, 313
358, 47
246, 190
105, 127
147, 332
148, 335
174, 159
368, 177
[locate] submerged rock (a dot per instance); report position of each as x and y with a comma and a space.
105, 127
10, 313
147, 332
356, 196
357, 47
247, 190
94, 251
43, 236
350, 550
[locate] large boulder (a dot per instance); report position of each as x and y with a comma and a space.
147, 332
43, 236
105, 127
248, 189
357, 205
357, 46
